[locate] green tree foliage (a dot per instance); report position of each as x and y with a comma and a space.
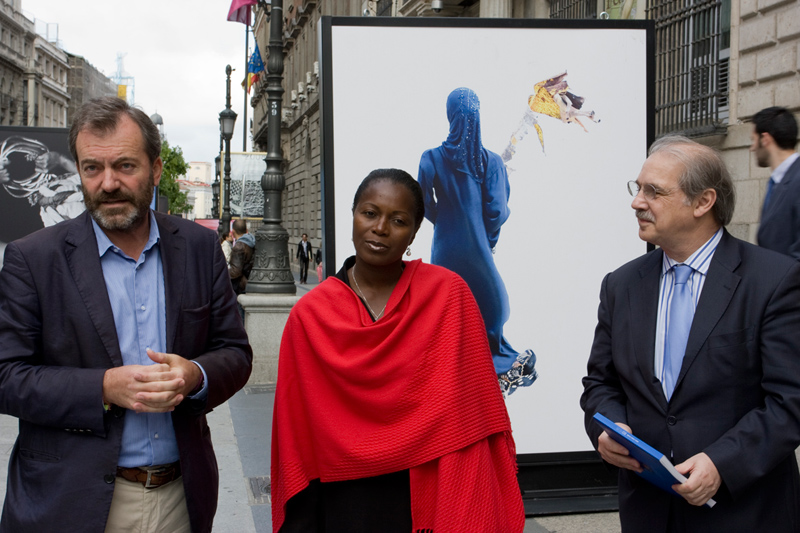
174, 168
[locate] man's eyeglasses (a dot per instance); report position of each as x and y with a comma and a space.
650, 191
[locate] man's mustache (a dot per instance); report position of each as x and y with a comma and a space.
645, 215
118, 196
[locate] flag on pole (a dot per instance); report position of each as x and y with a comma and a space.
255, 65
248, 82
240, 11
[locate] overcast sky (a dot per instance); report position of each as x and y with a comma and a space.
175, 49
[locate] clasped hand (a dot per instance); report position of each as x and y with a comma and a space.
154, 388
703, 478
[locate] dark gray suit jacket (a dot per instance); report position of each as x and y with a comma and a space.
57, 338
737, 397
780, 221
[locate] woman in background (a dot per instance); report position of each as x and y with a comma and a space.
226, 241
466, 190
375, 426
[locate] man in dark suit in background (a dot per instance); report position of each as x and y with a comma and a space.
774, 140
695, 352
304, 254
118, 333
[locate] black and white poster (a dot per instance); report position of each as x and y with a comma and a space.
39, 183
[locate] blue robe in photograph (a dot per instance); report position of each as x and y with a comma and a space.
466, 191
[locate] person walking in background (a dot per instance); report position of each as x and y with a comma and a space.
242, 256
318, 259
304, 254
695, 353
774, 139
117, 335
466, 191
225, 241
367, 434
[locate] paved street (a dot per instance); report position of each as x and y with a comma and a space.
241, 430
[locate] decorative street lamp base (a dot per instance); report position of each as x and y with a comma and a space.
271, 273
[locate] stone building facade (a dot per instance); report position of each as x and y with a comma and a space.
300, 121
765, 71
45, 95
742, 56
41, 84
85, 82
17, 36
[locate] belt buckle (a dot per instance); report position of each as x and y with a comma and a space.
150, 473
147, 484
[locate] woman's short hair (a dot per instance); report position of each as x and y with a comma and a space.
398, 177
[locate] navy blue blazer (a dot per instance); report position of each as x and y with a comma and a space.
780, 221
57, 338
737, 397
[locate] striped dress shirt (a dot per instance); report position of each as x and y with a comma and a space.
699, 261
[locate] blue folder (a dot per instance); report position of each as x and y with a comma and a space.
656, 468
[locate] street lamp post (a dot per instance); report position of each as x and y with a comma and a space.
271, 272
227, 120
215, 207
215, 191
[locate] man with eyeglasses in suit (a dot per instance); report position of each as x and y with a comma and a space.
695, 353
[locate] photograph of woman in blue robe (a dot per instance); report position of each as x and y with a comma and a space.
466, 191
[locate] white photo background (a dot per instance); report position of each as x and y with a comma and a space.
571, 220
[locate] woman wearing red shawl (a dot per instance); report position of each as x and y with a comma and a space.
377, 425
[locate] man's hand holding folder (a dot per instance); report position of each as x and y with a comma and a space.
698, 478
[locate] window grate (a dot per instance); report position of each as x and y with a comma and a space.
691, 69
573, 9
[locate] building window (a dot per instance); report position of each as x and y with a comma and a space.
692, 61
383, 8
573, 9
692, 56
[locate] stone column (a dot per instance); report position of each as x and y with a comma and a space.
265, 317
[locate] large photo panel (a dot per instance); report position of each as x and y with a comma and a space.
566, 108
39, 183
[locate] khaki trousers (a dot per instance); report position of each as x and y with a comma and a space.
135, 509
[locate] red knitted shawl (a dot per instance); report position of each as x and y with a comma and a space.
415, 390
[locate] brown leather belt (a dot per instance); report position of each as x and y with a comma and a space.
151, 476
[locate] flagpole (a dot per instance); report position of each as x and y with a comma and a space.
246, 84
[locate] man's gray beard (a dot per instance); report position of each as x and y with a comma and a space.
115, 223
112, 222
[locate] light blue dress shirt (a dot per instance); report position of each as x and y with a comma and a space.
136, 292
780, 171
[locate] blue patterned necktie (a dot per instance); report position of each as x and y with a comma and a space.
681, 313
